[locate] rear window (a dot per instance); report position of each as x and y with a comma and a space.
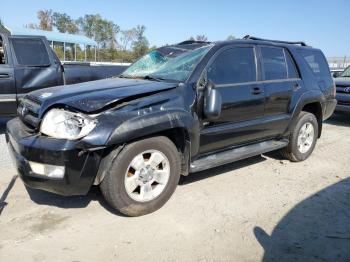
316, 62
30, 52
292, 69
274, 63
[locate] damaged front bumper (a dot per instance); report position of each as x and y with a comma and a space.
79, 167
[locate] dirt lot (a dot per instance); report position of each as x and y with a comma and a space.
258, 209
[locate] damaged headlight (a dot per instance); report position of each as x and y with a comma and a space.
63, 124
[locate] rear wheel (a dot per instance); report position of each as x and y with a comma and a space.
143, 176
302, 139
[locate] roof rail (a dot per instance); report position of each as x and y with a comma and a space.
248, 37
189, 42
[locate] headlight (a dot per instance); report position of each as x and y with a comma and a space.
63, 124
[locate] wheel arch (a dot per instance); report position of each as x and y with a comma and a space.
310, 102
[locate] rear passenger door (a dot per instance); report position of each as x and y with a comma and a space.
234, 72
281, 79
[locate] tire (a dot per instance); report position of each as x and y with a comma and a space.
128, 166
295, 152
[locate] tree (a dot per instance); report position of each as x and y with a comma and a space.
1, 23
140, 45
45, 20
101, 30
64, 23
202, 38
231, 37
127, 38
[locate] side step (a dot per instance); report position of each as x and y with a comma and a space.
236, 154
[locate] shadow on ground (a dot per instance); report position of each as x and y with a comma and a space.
4, 195
317, 229
3, 122
50, 199
339, 119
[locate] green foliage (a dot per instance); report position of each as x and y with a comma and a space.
64, 23
101, 30
141, 45
133, 42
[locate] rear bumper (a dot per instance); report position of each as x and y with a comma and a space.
329, 107
80, 167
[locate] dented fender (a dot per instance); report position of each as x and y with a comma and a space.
153, 123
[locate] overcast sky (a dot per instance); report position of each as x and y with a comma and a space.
322, 24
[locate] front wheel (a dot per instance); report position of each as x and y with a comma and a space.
302, 139
143, 176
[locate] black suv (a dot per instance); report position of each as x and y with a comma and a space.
178, 110
343, 91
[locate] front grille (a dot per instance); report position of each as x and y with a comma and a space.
343, 89
28, 111
341, 103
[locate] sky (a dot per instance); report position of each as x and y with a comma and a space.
321, 24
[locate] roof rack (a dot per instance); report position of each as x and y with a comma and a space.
189, 42
248, 37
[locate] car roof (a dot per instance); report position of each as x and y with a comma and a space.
192, 44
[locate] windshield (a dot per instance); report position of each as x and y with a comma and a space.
346, 72
167, 63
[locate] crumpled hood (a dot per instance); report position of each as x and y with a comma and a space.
95, 95
342, 81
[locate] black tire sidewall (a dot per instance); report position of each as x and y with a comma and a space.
303, 119
113, 184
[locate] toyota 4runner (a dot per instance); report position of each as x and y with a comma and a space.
179, 109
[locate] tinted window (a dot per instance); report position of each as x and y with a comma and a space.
30, 52
274, 63
236, 65
316, 62
2, 53
292, 69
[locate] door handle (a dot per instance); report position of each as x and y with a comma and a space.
257, 90
3, 76
296, 87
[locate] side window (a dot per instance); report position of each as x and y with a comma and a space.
316, 62
30, 52
233, 66
292, 69
274, 63
2, 53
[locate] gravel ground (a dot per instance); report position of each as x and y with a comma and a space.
259, 209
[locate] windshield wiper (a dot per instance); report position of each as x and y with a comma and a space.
159, 79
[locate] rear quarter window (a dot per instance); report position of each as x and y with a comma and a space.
30, 52
317, 62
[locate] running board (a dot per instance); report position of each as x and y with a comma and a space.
236, 154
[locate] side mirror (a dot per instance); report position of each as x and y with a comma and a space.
212, 102
336, 74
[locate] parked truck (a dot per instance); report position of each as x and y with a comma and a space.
28, 63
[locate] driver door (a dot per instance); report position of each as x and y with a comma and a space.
234, 72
